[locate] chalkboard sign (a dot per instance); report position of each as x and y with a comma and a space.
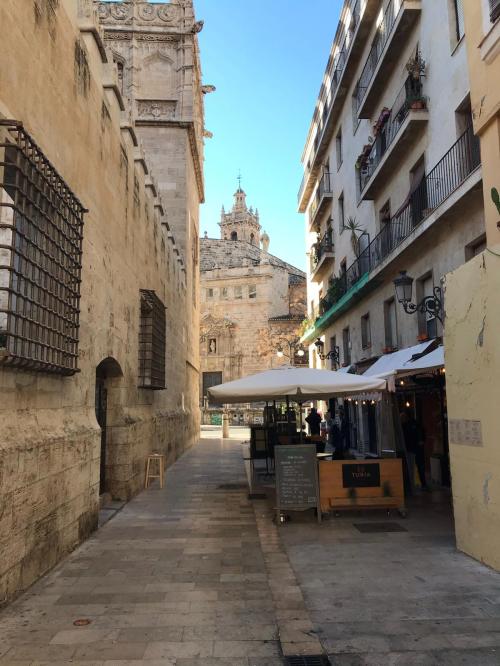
361, 475
296, 478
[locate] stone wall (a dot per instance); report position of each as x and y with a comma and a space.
69, 100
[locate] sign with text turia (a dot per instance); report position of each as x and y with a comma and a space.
361, 476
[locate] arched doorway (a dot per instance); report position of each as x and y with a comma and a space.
106, 373
234, 236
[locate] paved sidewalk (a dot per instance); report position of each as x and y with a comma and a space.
178, 577
396, 598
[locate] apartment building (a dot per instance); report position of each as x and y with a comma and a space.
392, 184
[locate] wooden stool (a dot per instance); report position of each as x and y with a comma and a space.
160, 459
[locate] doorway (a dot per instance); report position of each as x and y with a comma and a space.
106, 376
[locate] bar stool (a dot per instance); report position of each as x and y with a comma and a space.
159, 459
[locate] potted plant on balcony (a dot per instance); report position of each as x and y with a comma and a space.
354, 228
417, 101
416, 66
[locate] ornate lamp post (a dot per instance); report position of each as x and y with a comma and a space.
333, 354
432, 305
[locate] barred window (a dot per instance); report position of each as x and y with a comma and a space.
152, 335
41, 232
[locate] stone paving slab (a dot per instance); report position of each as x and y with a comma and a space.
393, 598
190, 575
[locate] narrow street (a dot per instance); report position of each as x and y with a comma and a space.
178, 577
195, 575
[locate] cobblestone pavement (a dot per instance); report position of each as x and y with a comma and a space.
177, 577
402, 598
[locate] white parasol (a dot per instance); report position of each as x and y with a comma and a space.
298, 384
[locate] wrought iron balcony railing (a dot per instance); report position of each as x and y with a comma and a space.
383, 33
324, 189
410, 97
319, 249
336, 71
449, 173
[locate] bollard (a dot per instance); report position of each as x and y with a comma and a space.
225, 426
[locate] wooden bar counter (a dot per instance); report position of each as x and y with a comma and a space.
356, 484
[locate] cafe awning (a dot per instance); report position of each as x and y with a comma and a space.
430, 362
299, 384
389, 364
424, 357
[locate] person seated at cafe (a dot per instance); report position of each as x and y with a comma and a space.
314, 420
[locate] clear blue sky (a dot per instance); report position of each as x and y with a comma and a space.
267, 59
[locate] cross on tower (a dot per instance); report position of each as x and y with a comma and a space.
239, 180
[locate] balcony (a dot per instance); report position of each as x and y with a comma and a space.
343, 65
396, 131
441, 191
397, 23
322, 257
324, 195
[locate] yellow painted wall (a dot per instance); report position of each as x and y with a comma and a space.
472, 336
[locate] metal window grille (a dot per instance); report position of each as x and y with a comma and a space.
152, 335
494, 10
41, 232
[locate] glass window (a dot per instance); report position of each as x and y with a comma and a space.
346, 343
366, 337
210, 293
238, 292
390, 321
252, 291
338, 147
341, 213
225, 292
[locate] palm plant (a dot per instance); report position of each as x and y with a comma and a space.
352, 226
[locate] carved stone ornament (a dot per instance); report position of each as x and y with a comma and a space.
120, 11
103, 11
156, 109
168, 13
147, 12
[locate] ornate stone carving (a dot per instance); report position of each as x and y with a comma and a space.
147, 12
168, 13
122, 36
121, 11
150, 109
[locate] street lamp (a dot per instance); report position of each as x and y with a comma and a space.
432, 305
294, 349
333, 354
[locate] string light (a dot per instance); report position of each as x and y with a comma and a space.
408, 404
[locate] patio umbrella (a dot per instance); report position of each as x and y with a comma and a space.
298, 384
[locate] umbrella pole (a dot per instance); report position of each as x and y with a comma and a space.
288, 415
300, 419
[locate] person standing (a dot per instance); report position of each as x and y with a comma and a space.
314, 420
414, 438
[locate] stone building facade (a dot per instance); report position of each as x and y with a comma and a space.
392, 182
252, 303
98, 266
